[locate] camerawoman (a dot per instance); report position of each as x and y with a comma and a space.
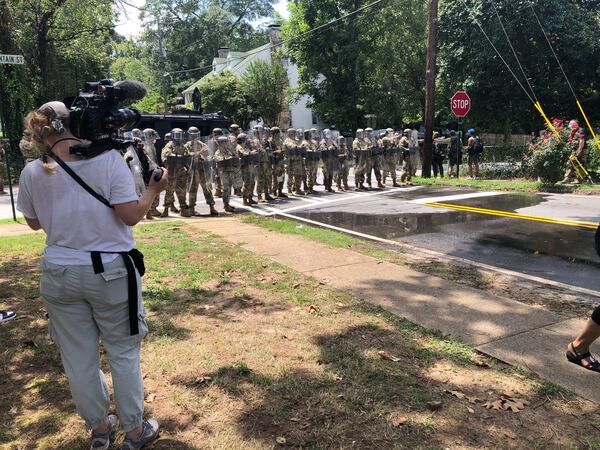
81, 192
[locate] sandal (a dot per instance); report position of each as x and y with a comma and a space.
577, 358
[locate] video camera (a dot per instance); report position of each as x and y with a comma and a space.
97, 114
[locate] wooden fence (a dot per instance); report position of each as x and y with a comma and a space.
491, 139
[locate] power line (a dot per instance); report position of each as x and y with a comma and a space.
513, 50
292, 39
476, 21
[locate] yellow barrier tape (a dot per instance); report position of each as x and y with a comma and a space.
512, 215
588, 125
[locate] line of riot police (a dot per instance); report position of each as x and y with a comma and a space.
260, 161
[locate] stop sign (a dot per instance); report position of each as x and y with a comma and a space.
460, 104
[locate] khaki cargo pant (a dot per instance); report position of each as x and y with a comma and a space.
85, 308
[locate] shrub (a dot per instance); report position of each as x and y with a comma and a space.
550, 159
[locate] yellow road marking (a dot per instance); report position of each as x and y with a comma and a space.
512, 215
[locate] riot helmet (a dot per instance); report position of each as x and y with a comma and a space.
275, 131
369, 132
150, 134
308, 135
217, 132
234, 128
241, 138
137, 133
327, 134
177, 135
167, 137
127, 135
314, 134
222, 141
299, 134
193, 133
360, 133
341, 140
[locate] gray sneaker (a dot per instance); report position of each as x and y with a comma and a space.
101, 441
149, 434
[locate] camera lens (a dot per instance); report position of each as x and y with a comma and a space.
123, 118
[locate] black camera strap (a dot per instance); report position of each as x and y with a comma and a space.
78, 179
132, 259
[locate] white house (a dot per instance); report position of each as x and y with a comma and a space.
297, 114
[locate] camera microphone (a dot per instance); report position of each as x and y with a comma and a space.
131, 90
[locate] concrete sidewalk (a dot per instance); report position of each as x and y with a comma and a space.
513, 332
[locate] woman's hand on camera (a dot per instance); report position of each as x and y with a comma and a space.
161, 184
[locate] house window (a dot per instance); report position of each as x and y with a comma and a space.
315, 119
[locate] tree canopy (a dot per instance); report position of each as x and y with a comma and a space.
265, 85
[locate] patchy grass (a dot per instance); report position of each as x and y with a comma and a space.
10, 221
243, 351
510, 185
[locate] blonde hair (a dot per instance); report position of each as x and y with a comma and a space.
38, 124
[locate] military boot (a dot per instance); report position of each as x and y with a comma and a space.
228, 208
380, 185
252, 201
213, 211
245, 202
155, 212
149, 216
260, 198
395, 184
268, 197
280, 191
185, 212
175, 210
218, 193
165, 212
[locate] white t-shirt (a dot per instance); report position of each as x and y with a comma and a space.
75, 222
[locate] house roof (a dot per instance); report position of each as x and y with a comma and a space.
240, 62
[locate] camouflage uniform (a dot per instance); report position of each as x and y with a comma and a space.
238, 181
261, 144
177, 161
407, 167
329, 153
375, 159
28, 149
278, 162
312, 153
249, 162
361, 150
150, 137
200, 159
227, 164
390, 155
344, 155
293, 153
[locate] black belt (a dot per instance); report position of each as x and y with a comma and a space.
133, 259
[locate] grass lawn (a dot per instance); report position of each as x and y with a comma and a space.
247, 354
511, 185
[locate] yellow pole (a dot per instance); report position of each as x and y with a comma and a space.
588, 125
539, 108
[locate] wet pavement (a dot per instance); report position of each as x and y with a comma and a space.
554, 251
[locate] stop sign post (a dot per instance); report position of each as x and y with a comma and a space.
460, 103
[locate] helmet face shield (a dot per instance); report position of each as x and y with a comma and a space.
360, 133
299, 134
177, 135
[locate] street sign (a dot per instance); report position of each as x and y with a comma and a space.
460, 104
12, 59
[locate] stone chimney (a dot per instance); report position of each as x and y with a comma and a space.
223, 52
274, 31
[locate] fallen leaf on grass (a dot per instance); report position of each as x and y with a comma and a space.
296, 286
208, 307
150, 398
474, 400
398, 421
387, 356
471, 410
434, 405
280, 440
480, 363
495, 405
323, 282
201, 380
515, 405
313, 309
337, 377
456, 394
294, 419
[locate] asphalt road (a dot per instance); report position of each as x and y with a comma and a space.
550, 236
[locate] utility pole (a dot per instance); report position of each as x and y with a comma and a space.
432, 30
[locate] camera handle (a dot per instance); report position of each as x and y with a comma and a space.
159, 173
